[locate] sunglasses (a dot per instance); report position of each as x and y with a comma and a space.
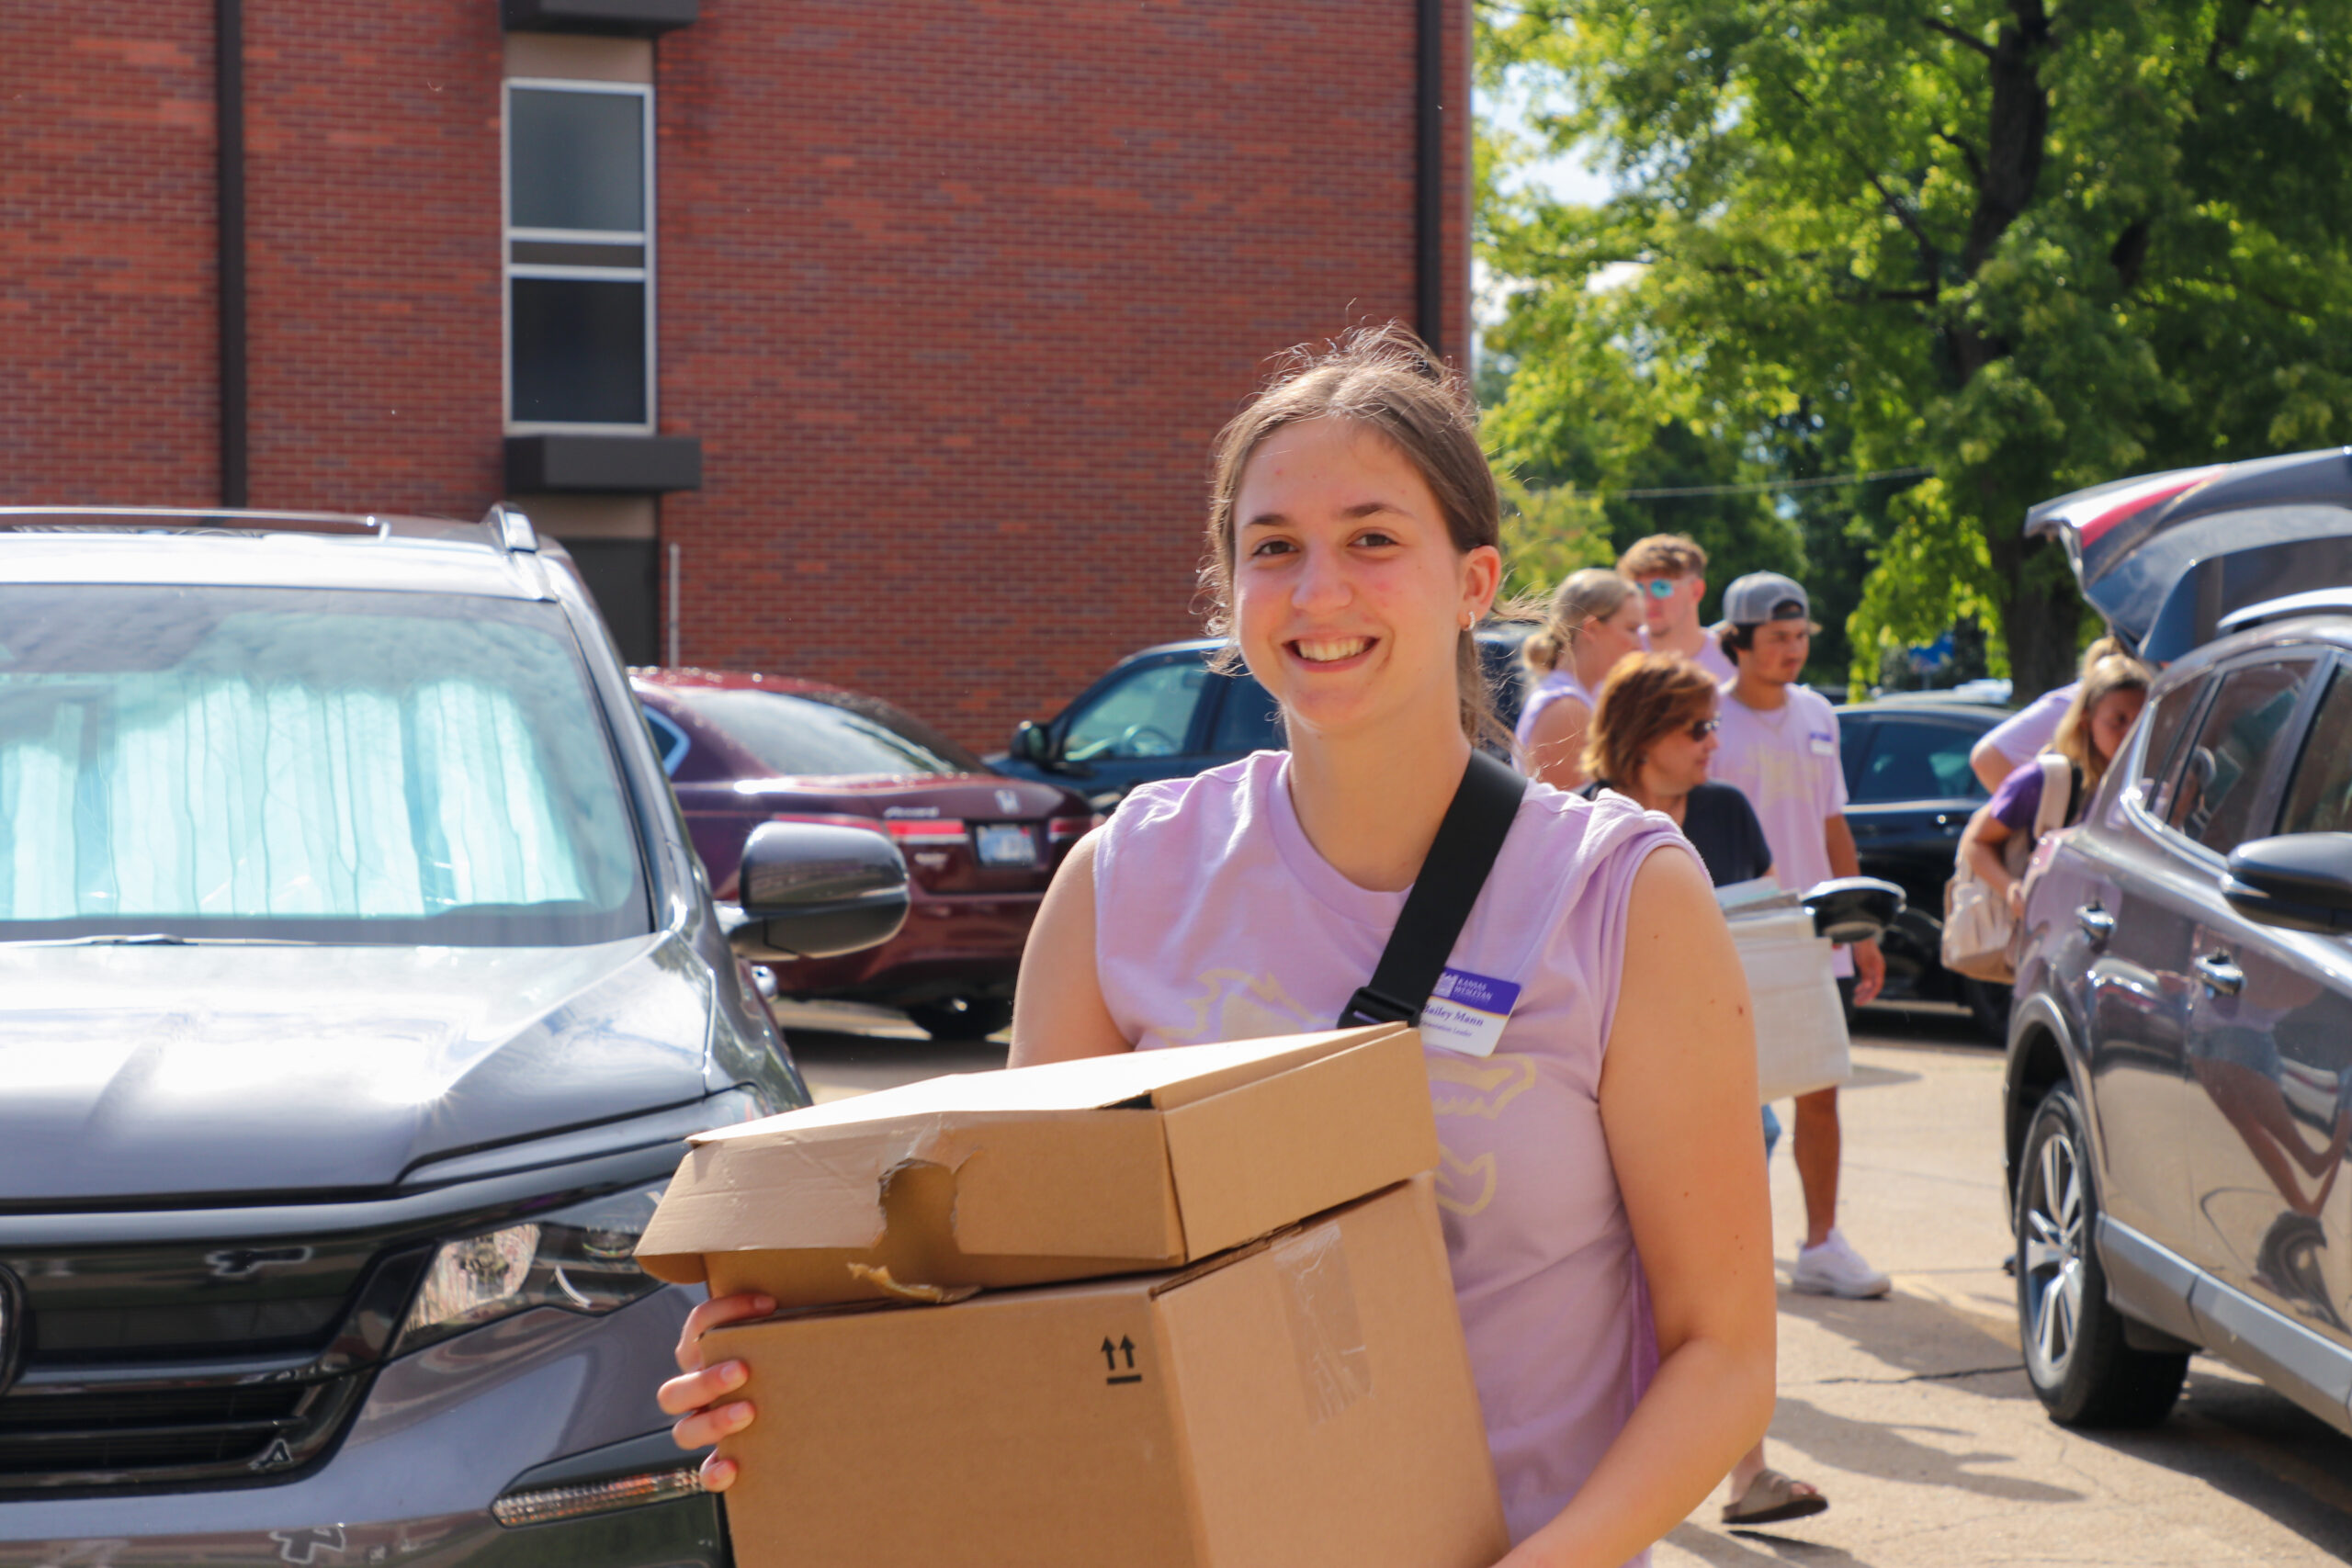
1704, 727
1661, 587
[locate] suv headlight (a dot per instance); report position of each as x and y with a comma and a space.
576, 1258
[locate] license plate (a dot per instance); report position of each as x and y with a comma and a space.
1005, 843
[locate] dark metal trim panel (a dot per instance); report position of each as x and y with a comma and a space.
1429, 173
629, 19
2313, 1371
228, 108
622, 465
485, 1200
630, 1456
2146, 1281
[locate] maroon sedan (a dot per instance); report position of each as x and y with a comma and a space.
743, 749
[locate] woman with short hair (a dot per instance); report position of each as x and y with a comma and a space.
1653, 734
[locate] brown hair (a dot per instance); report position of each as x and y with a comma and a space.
1644, 699
1592, 594
2101, 678
1383, 380
1664, 555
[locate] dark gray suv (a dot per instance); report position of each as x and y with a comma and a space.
2179, 1090
357, 989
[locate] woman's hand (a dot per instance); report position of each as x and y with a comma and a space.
697, 1397
2017, 900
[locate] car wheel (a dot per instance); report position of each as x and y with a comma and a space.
1988, 1004
2075, 1356
962, 1018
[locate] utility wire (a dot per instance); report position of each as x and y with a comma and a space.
1826, 480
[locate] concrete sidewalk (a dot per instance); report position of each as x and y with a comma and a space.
1914, 1416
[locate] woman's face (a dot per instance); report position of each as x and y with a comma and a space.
2111, 721
1348, 594
1613, 637
1677, 762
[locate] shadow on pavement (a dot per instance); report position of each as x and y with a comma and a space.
1749, 1548
1882, 1449
1933, 1025
2257, 1446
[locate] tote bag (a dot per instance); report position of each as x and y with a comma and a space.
1978, 927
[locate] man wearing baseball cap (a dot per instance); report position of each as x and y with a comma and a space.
1778, 746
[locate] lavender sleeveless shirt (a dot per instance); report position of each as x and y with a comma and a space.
1549, 688
1216, 920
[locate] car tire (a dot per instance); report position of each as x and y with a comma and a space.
962, 1018
1988, 1004
2076, 1355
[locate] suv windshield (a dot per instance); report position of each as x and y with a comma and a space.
300, 765
829, 734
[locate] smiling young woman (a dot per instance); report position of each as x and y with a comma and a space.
1604, 1179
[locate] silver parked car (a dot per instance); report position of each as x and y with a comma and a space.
2179, 1086
357, 989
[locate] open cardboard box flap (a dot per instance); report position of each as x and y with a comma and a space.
1075, 1170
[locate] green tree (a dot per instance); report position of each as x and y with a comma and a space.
2027, 246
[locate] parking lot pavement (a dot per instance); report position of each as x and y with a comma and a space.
846, 1049
1913, 1413
1914, 1416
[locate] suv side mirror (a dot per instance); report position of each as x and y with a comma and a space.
1032, 742
817, 890
2303, 881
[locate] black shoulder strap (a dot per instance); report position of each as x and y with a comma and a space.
1452, 874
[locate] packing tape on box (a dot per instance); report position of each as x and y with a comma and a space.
1334, 1368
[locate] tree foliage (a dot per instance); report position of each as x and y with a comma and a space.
2028, 245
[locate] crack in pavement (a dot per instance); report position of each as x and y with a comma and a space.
1917, 1376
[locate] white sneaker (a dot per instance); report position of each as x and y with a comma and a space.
1835, 1269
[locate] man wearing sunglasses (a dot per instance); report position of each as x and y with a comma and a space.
1668, 572
1778, 746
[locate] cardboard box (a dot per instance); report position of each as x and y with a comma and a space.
1074, 1170
1302, 1400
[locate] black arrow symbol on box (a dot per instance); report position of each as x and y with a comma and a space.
1128, 1347
1110, 1355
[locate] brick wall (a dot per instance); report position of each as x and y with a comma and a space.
956, 294
372, 230
107, 288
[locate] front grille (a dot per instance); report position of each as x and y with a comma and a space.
102, 1437
178, 1366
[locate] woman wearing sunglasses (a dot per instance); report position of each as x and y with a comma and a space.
1651, 738
1652, 735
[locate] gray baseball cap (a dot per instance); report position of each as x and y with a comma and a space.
1763, 596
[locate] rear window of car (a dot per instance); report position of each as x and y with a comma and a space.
829, 734
1916, 758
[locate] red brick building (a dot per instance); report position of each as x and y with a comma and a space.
884, 343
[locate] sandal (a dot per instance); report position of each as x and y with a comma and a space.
1772, 1497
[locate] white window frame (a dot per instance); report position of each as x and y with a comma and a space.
509, 269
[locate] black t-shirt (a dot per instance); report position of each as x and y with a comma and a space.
1723, 828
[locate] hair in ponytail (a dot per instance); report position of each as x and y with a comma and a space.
1593, 594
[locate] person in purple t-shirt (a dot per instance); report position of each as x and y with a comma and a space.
2026, 733
2107, 700
1670, 571
1779, 748
1606, 1218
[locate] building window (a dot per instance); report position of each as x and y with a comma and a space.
579, 256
